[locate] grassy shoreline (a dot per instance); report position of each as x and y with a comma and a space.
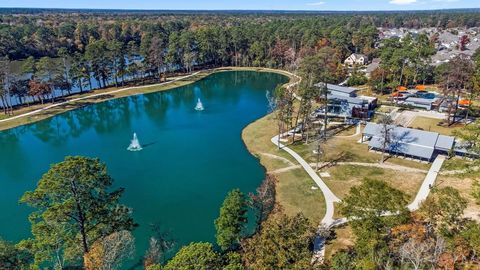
100, 95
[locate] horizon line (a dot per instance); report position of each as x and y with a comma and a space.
241, 10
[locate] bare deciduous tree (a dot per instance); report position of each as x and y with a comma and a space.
159, 244
386, 124
456, 79
109, 253
263, 200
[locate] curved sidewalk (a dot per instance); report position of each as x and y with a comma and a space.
328, 220
330, 198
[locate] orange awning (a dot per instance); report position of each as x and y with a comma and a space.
401, 88
464, 102
421, 87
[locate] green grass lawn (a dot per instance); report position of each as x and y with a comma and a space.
294, 193
385, 109
432, 124
344, 177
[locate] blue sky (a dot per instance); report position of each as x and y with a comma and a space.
248, 4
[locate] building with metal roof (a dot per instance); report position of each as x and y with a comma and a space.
424, 103
344, 102
339, 90
408, 142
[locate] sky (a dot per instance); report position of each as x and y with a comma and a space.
351, 5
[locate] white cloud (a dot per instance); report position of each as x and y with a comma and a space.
316, 4
403, 2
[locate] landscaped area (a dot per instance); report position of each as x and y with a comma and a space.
237, 139
434, 125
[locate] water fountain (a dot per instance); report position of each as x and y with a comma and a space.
135, 144
199, 106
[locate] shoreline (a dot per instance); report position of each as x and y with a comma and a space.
39, 112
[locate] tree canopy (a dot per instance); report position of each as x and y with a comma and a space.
74, 207
232, 220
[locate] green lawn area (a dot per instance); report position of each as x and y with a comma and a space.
295, 195
432, 124
294, 192
457, 163
463, 183
347, 131
344, 177
349, 150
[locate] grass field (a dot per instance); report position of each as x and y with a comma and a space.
432, 124
294, 193
343, 238
349, 150
344, 177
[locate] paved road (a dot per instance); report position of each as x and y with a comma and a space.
427, 184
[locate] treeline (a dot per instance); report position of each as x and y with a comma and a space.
65, 52
83, 51
42, 34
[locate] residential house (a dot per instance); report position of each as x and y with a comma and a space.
356, 59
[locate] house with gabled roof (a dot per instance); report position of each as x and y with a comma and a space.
356, 59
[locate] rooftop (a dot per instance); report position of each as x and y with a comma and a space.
412, 142
338, 88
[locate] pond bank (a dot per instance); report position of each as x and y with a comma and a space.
37, 112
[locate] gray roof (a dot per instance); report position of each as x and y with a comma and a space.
351, 100
358, 55
445, 142
424, 101
374, 65
338, 88
412, 142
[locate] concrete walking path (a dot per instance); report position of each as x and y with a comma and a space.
387, 166
330, 198
427, 184
328, 220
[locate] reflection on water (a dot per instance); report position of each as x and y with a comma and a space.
188, 164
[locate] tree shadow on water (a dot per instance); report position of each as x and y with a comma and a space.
149, 144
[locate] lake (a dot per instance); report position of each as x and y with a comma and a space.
190, 159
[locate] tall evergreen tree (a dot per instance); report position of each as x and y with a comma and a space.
232, 220
74, 208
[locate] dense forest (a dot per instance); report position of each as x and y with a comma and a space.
63, 51
82, 50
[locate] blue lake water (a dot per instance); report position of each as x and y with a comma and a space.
190, 159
